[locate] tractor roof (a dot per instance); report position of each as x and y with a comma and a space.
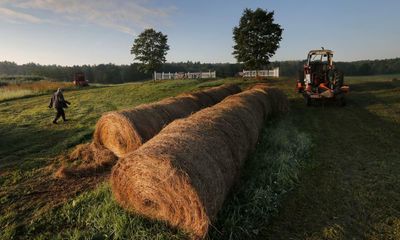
320, 52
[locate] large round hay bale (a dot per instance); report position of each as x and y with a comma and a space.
126, 130
183, 175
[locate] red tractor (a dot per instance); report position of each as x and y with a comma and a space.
79, 80
320, 80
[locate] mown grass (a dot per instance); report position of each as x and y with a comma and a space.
83, 220
95, 215
271, 172
30, 142
351, 190
319, 173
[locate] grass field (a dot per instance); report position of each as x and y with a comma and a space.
319, 172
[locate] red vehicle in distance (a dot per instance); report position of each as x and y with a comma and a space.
321, 80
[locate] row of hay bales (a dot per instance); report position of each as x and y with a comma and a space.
184, 173
125, 131
121, 132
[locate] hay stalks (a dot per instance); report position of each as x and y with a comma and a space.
95, 160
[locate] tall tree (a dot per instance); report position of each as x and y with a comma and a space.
256, 38
150, 48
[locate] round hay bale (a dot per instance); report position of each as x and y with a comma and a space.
183, 175
126, 130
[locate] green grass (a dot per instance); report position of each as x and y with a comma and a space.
318, 173
268, 175
95, 215
271, 172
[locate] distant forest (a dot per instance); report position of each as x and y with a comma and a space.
110, 73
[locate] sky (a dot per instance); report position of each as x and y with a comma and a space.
76, 32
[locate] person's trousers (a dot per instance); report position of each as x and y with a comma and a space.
60, 113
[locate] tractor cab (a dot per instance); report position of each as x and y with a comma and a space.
320, 79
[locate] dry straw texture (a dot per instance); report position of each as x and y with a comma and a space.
183, 175
95, 159
124, 131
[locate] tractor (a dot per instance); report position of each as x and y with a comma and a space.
320, 80
79, 80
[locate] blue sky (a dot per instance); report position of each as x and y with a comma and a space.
69, 32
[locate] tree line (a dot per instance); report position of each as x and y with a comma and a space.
355, 68
111, 73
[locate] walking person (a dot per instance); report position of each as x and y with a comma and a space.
59, 103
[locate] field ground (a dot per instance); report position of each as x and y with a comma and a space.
320, 172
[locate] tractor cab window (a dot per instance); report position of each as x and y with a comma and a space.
320, 58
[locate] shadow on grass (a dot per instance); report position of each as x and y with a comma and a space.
270, 172
347, 191
20, 145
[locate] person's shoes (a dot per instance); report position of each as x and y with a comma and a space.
65, 120
54, 122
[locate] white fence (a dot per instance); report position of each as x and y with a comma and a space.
261, 73
182, 75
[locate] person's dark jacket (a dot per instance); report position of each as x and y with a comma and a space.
58, 101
